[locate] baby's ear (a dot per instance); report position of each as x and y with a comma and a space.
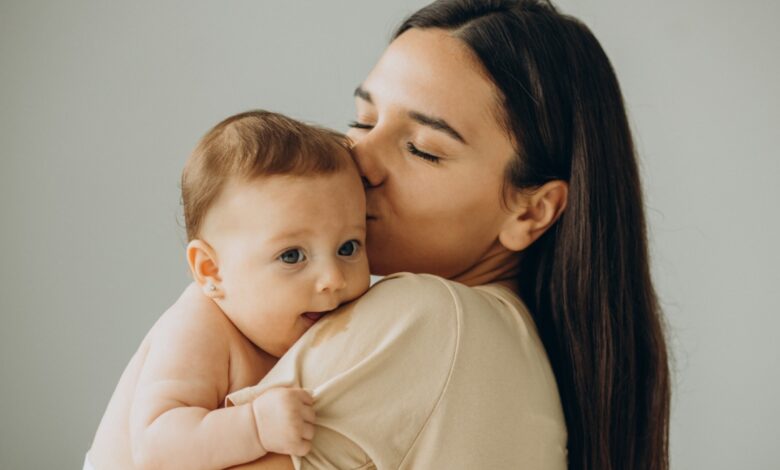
202, 260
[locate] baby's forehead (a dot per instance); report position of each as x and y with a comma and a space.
280, 203
313, 186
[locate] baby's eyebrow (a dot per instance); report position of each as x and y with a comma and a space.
290, 234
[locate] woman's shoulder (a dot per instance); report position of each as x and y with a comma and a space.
421, 289
426, 287
418, 357
405, 296
398, 311
435, 296
499, 372
425, 307
486, 321
409, 307
487, 355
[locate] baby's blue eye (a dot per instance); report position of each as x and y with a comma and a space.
349, 248
292, 256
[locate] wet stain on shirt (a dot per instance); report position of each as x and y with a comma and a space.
332, 324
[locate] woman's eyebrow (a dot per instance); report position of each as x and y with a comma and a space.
424, 119
437, 124
361, 93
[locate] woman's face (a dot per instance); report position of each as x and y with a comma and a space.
431, 148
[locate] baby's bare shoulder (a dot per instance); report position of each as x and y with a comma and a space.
190, 350
193, 326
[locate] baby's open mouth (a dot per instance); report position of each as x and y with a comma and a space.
314, 316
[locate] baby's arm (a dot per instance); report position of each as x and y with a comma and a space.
174, 420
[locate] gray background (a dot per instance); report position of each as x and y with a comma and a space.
100, 103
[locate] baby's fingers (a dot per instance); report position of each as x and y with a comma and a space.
307, 432
302, 448
305, 396
308, 415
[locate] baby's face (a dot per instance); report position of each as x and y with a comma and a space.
288, 250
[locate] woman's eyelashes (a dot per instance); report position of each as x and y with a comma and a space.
410, 147
359, 125
424, 155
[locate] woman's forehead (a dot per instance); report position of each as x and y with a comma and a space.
431, 72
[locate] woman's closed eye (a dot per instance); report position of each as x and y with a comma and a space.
410, 147
360, 125
424, 155
292, 256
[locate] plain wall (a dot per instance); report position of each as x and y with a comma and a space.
101, 102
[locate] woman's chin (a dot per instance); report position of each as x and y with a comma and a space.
380, 265
379, 269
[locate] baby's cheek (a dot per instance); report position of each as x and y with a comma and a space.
278, 297
361, 284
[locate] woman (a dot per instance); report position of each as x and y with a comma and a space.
496, 155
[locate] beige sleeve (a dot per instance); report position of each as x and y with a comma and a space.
377, 369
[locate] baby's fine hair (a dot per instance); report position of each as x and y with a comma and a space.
251, 145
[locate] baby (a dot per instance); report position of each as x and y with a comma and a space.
275, 217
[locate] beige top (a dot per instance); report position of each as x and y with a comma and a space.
422, 373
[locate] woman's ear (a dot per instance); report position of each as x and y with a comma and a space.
202, 260
532, 213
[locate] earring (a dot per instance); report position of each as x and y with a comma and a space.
211, 287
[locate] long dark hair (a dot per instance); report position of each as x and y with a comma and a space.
587, 279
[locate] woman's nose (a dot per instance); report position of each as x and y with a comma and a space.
365, 152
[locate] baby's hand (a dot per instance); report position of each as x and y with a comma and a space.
285, 420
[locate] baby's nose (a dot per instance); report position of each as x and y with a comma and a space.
331, 279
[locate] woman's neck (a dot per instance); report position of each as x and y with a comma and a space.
497, 266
